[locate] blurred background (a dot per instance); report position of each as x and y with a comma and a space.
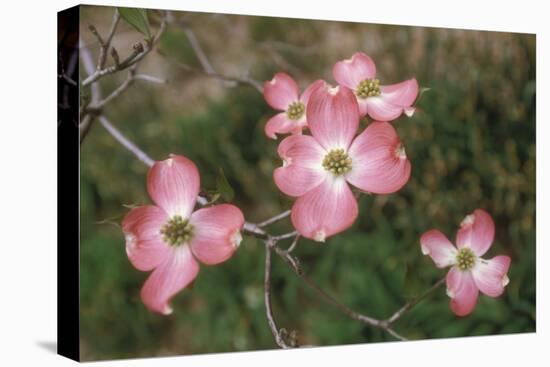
471, 143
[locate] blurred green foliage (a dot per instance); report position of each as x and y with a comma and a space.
472, 145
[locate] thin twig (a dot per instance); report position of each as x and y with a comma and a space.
132, 76
274, 219
291, 261
138, 53
293, 244
393, 318
67, 79
284, 236
195, 45
239, 80
88, 119
267, 299
125, 141
88, 62
117, 92
105, 45
150, 78
201, 55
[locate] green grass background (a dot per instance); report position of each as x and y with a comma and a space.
471, 144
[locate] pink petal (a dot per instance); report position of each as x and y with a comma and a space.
281, 124
333, 116
144, 245
351, 72
281, 91
382, 110
175, 273
401, 94
379, 162
462, 290
173, 184
216, 233
490, 275
310, 89
477, 231
328, 209
440, 249
302, 165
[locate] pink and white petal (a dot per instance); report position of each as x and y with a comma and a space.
477, 231
351, 72
319, 83
302, 165
176, 272
281, 91
462, 290
490, 275
401, 94
438, 246
281, 124
216, 233
363, 108
379, 161
381, 110
328, 209
144, 245
174, 185
333, 116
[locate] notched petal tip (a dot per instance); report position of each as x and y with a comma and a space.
450, 293
236, 238
333, 90
131, 243
320, 236
425, 250
467, 221
130, 239
400, 152
409, 111
287, 161
167, 310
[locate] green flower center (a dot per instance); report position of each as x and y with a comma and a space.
368, 88
295, 110
465, 259
177, 231
337, 161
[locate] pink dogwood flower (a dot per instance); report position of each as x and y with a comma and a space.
318, 169
170, 239
381, 102
282, 93
469, 273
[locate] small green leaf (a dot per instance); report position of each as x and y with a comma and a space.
137, 18
224, 188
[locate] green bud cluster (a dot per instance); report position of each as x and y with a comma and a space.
337, 161
368, 88
295, 110
465, 259
177, 231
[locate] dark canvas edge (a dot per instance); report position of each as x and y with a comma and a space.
68, 218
